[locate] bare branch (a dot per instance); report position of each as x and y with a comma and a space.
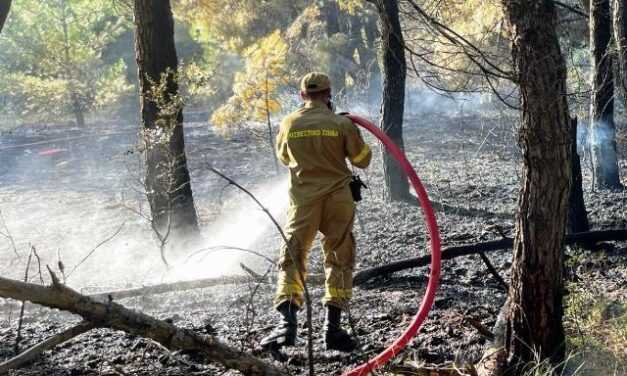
18, 336
35, 351
109, 238
571, 8
7, 234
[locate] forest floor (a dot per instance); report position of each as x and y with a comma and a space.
66, 197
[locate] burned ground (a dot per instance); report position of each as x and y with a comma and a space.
468, 163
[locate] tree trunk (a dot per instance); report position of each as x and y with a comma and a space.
533, 314
356, 46
369, 79
393, 102
619, 20
77, 107
602, 130
577, 215
167, 180
5, 6
371, 59
269, 124
337, 66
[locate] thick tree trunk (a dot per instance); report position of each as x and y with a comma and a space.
115, 316
167, 179
534, 310
5, 6
577, 215
393, 102
602, 130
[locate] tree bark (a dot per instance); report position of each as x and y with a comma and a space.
393, 102
619, 21
602, 129
534, 310
167, 180
577, 214
115, 316
5, 6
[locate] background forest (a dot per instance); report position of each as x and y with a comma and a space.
127, 126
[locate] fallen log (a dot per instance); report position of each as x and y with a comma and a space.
115, 316
35, 351
471, 249
364, 275
190, 285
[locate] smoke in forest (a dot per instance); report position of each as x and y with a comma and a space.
236, 237
78, 201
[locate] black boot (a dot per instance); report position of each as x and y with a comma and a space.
335, 337
284, 334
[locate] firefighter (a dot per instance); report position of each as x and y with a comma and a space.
314, 143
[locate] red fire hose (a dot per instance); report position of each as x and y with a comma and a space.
434, 276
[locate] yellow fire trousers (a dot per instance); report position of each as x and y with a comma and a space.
333, 217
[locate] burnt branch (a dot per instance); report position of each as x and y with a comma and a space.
572, 9
471, 249
35, 351
18, 336
493, 271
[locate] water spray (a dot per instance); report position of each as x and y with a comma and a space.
434, 276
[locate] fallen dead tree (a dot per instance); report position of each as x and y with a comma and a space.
190, 285
471, 249
99, 310
115, 316
365, 275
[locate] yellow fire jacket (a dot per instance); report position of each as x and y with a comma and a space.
314, 143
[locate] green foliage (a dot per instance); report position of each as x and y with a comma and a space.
257, 88
237, 24
571, 366
52, 58
596, 328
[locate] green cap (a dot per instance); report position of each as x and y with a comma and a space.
314, 82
